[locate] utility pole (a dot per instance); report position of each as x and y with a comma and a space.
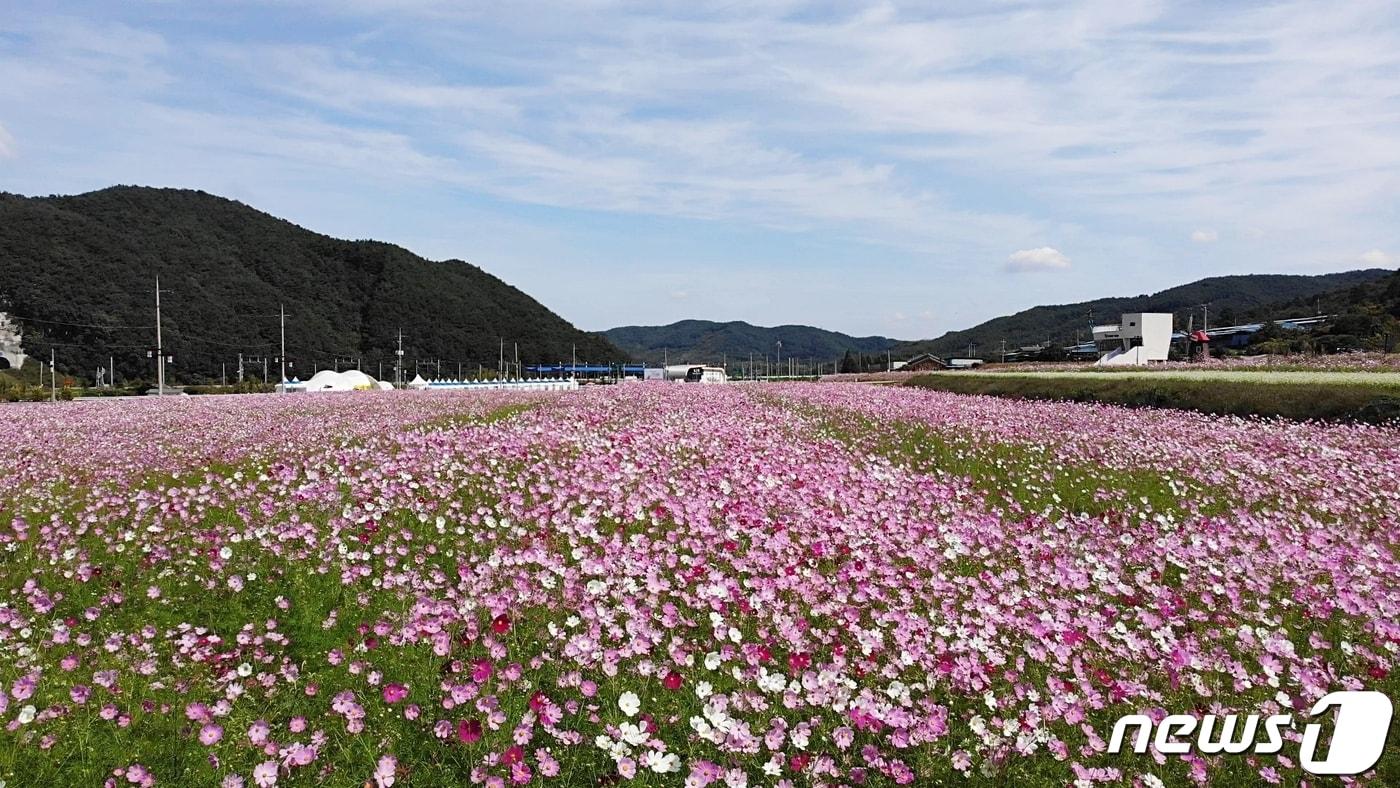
1205, 317
516, 346
282, 315
1003, 351
223, 373
160, 349
240, 367
501, 360
779, 357
398, 363
53, 378
573, 368
112, 367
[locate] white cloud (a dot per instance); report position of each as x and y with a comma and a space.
680, 295
1044, 258
877, 123
1376, 258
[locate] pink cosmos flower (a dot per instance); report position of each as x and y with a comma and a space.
385, 770
265, 774
468, 731
481, 670
394, 693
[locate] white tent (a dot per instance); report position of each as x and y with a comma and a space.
349, 380
418, 382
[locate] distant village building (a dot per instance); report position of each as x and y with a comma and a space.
927, 362
11, 353
924, 362
1138, 339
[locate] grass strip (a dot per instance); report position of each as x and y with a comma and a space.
1352, 402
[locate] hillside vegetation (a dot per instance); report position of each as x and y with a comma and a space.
78, 272
1232, 299
707, 341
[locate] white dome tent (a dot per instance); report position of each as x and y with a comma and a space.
328, 380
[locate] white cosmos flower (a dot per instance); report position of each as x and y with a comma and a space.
632, 734
629, 703
664, 763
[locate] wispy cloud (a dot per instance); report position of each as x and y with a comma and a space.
1044, 258
1376, 257
933, 136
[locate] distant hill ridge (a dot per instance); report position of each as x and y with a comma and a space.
711, 342
1232, 299
78, 273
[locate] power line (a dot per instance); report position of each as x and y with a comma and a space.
79, 325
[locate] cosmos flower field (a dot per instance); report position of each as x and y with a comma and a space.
676, 585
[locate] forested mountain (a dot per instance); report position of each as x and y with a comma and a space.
1366, 316
709, 342
1232, 299
78, 272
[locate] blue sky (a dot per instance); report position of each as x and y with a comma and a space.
869, 168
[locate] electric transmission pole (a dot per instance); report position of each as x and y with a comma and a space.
282, 316
398, 363
160, 349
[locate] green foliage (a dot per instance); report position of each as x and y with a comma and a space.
78, 272
1333, 402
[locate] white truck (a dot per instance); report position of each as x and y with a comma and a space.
696, 373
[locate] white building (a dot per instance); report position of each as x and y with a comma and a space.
1140, 338
10, 350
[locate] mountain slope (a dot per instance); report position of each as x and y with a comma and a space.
706, 341
79, 274
1231, 298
